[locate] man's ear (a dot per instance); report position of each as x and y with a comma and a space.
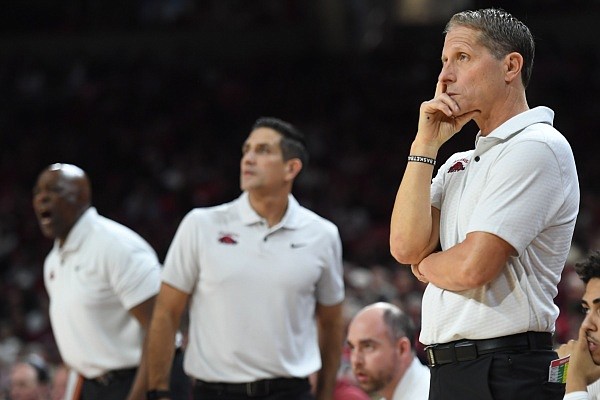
403, 345
293, 167
513, 64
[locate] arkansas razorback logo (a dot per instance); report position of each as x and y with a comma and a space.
227, 238
458, 165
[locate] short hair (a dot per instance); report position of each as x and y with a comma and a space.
399, 324
590, 268
501, 33
293, 143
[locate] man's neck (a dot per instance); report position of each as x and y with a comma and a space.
505, 110
389, 390
270, 207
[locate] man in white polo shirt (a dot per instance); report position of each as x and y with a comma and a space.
263, 276
102, 279
503, 215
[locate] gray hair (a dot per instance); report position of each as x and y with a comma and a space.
501, 33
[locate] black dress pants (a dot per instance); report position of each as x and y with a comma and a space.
115, 385
297, 392
506, 375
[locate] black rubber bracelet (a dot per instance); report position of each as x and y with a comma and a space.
422, 159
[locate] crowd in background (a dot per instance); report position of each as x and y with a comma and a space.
159, 135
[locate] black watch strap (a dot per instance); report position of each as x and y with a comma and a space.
157, 394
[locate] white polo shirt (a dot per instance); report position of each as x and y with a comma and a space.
103, 270
520, 183
414, 385
593, 393
255, 288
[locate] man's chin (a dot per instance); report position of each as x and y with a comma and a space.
368, 389
369, 386
245, 185
48, 232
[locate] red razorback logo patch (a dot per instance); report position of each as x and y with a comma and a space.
458, 165
227, 238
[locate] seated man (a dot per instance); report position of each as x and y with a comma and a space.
29, 380
583, 376
381, 338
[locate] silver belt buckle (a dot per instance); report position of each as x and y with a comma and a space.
430, 356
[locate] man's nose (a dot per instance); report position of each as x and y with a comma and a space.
356, 359
590, 322
41, 197
446, 74
249, 157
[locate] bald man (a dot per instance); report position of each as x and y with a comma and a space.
29, 381
381, 337
102, 279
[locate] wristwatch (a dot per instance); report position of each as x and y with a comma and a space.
158, 394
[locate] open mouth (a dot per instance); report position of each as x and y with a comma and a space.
45, 217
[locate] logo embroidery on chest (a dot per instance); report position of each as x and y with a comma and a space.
459, 165
227, 238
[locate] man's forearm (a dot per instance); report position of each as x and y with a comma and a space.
326, 377
470, 264
411, 222
161, 348
331, 337
140, 384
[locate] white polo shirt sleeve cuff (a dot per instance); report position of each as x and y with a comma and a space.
576, 396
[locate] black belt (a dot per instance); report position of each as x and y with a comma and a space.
466, 350
252, 389
113, 376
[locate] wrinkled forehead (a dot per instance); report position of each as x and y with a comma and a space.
465, 35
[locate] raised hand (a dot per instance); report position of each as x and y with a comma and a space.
440, 118
582, 369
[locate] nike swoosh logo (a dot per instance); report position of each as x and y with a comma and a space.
297, 245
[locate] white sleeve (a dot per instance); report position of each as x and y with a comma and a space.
576, 396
